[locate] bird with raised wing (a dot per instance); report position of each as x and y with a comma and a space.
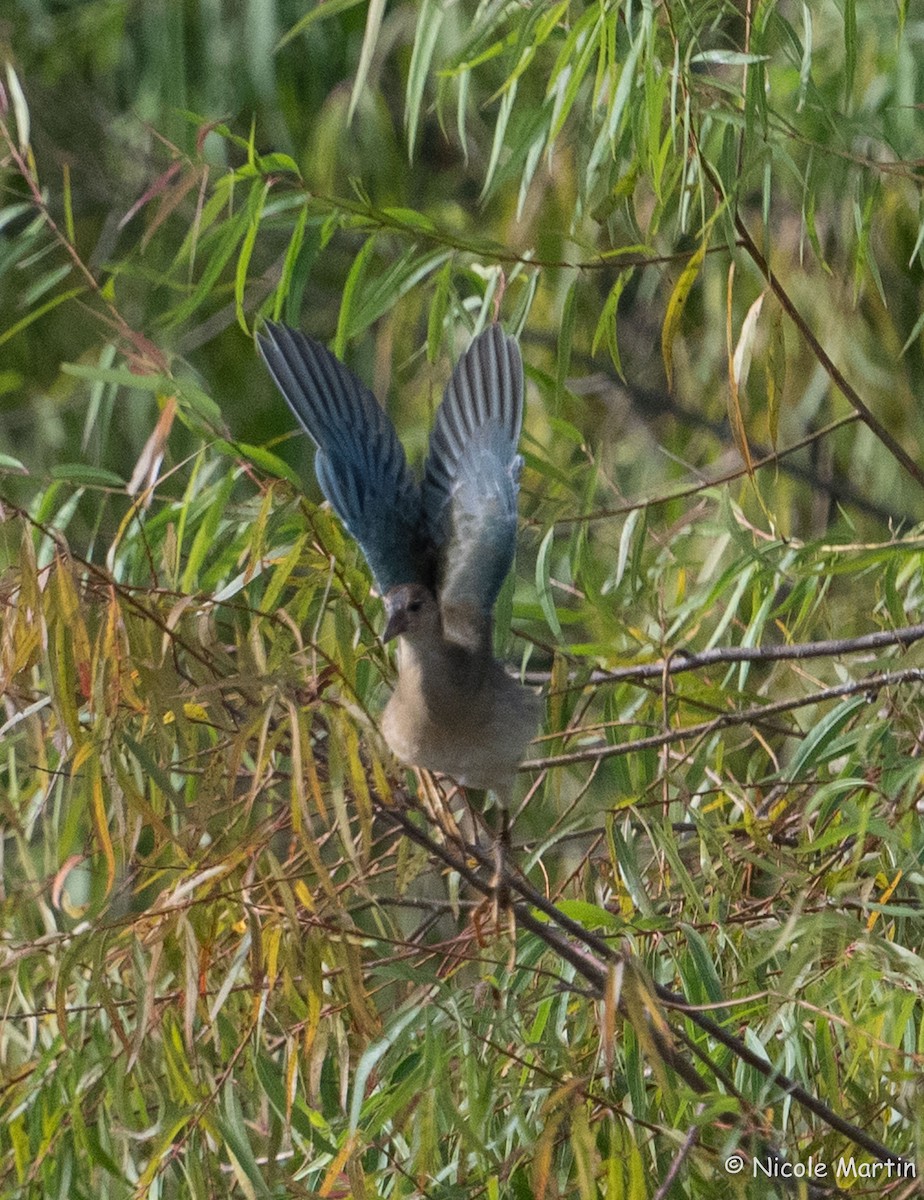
439, 550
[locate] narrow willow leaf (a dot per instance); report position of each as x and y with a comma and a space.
709, 987
297, 270
373, 1056
30, 317
67, 201
606, 325
627, 863
618, 106
349, 292
121, 376
572, 65
237, 1143
592, 916
565, 340
776, 374
625, 545
429, 20
374, 15
500, 129
382, 292
741, 359
410, 219
226, 243
320, 12
675, 307
728, 58
243, 259
812, 749
461, 113
85, 475
805, 66
437, 315
735, 364
20, 109
531, 162
521, 310
268, 163
912, 336
101, 820
265, 459
543, 585
204, 540
850, 51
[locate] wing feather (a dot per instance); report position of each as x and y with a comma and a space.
360, 464
471, 483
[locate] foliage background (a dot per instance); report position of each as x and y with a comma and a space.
224, 970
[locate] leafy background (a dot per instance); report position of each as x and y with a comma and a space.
237, 957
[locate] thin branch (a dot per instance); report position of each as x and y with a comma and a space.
589, 954
839, 490
833, 372
147, 354
872, 684
681, 661
677, 1162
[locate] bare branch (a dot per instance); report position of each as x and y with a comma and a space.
872, 684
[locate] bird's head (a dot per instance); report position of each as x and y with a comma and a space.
411, 609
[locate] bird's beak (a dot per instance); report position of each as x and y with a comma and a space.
396, 623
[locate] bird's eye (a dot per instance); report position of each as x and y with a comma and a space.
415, 606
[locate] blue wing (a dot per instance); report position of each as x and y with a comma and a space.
472, 481
360, 463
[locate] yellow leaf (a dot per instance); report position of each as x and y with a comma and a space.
101, 823
332, 1174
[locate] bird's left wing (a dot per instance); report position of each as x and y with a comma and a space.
360, 463
471, 484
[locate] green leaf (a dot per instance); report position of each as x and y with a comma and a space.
565, 341
675, 306
355, 275
263, 458
543, 586
811, 752
591, 916
429, 21
436, 318
374, 14
709, 987
322, 11
86, 475
243, 260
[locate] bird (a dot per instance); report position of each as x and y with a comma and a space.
439, 549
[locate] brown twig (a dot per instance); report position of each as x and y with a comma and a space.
593, 958
872, 683
680, 661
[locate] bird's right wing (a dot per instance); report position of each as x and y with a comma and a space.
360, 463
472, 481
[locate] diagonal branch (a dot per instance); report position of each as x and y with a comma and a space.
593, 959
833, 371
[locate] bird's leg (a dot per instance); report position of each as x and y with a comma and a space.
501, 898
501, 854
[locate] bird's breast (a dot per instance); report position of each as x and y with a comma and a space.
462, 715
